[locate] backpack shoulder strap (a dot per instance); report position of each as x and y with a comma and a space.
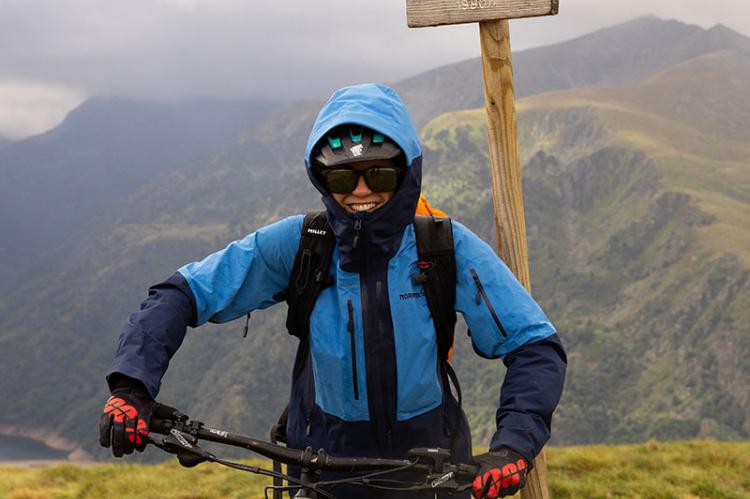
310, 272
437, 263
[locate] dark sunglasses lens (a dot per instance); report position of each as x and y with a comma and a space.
341, 181
382, 179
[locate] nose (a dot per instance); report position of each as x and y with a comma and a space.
362, 189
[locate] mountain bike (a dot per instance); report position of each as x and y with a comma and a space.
430, 469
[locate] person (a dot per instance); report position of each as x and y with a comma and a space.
370, 383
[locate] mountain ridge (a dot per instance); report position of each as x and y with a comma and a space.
615, 55
677, 262
119, 144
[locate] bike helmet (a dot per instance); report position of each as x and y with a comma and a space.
348, 144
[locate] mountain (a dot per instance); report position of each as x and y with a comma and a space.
104, 150
4, 141
181, 216
637, 205
637, 201
622, 54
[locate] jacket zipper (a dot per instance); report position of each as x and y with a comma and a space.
311, 395
482, 296
350, 328
385, 392
357, 228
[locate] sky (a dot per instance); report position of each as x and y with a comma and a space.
56, 53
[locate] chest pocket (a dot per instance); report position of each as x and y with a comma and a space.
419, 388
337, 348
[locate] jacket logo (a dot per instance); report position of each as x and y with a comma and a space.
317, 232
407, 296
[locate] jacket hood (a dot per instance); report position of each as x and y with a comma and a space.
372, 236
372, 105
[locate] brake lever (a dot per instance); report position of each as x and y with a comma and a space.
186, 447
442, 473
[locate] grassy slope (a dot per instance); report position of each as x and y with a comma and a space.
701, 143
653, 470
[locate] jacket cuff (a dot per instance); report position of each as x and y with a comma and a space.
120, 382
515, 432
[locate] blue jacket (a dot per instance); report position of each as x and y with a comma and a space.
386, 391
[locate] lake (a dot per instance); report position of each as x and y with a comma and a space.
14, 448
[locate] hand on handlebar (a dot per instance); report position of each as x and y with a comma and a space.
432, 468
502, 473
124, 421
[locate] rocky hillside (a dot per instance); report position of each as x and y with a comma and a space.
637, 203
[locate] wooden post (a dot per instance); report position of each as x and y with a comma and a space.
500, 104
505, 170
507, 194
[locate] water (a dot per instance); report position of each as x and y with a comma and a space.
14, 448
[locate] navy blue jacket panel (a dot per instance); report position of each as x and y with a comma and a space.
531, 390
153, 334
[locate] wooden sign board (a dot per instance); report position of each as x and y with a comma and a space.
422, 13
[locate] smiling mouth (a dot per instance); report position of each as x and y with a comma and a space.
359, 207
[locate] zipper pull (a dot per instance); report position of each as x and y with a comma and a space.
478, 284
247, 324
357, 228
350, 322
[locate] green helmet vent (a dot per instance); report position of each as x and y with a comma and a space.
356, 138
351, 143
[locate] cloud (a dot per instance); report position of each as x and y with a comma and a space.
28, 108
281, 49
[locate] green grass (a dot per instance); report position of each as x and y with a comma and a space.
123, 480
652, 470
692, 469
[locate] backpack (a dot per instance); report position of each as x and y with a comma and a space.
437, 273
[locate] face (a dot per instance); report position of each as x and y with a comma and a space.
362, 199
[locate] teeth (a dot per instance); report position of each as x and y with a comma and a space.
363, 207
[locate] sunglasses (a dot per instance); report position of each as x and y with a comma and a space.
377, 178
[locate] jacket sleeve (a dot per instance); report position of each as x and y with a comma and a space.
531, 390
225, 285
505, 322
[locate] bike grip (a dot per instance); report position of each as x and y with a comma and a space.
163, 411
467, 471
161, 425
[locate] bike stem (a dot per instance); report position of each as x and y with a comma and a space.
308, 475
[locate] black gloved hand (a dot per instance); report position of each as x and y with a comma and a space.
501, 473
125, 418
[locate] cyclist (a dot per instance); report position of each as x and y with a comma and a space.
370, 383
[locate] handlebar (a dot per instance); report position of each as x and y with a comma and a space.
431, 465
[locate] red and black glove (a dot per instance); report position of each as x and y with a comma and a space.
501, 473
125, 418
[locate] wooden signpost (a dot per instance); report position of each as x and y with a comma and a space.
492, 16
